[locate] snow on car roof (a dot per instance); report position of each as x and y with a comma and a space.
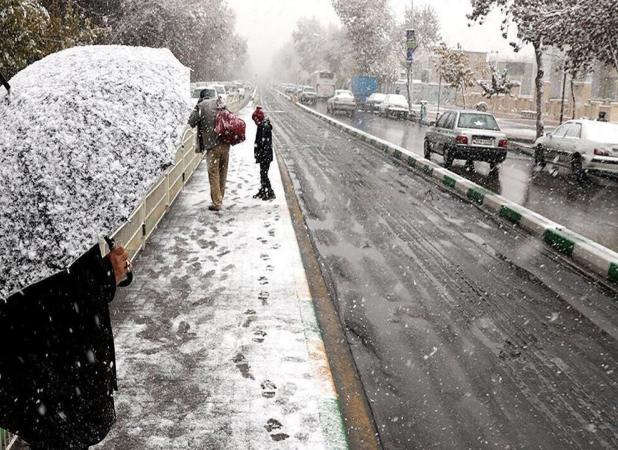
86, 133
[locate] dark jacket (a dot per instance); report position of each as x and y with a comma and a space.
204, 116
263, 147
5, 83
59, 371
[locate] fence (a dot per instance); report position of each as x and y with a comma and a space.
157, 202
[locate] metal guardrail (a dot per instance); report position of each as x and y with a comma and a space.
151, 210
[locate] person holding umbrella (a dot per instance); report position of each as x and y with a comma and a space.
59, 373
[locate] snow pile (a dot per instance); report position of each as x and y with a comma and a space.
84, 135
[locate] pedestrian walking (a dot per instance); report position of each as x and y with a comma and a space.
263, 151
204, 117
59, 373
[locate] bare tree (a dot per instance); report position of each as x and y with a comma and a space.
530, 19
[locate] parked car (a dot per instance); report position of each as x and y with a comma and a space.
308, 95
290, 89
221, 92
394, 105
343, 101
196, 92
468, 135
373, 102
582, 146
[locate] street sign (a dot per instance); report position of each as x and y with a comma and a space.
411, 45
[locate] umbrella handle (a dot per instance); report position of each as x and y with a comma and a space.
127, 281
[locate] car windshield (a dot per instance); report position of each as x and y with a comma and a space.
606, 133
345, 94
478, 121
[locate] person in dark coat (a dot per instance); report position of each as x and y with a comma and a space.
263, 151
58, 375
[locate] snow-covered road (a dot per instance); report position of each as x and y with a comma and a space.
217, 342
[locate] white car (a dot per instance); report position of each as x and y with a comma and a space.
221, 92
374, 101
211, 92
582, 146
394, 105
343, 101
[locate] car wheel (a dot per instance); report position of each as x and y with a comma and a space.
577, 168
427, 150
448, 158
539, 156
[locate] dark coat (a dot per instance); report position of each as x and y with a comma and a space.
263, 147
203, 117
5, 83
59, 371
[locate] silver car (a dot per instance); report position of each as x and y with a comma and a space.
582, 146
308, 96
468, 135
394, 105
343, 101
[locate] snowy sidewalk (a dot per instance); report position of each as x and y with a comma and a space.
217, 342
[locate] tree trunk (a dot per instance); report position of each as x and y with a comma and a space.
573, 96
538, 53
463, 95
439, 95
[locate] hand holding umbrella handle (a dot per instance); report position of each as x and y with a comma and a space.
129, 279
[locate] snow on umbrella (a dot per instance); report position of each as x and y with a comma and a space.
86, 133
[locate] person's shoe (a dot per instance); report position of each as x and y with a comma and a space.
269, 196
260, 194
214, 208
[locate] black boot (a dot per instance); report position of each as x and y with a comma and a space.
260, 194
270, 195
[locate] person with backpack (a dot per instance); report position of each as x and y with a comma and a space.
204, 117
263, 151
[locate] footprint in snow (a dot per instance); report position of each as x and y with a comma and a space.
243, 366
251, 316
259, 336
269, 389
272, 426
263, 297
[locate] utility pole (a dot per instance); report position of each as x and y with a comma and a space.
411, 46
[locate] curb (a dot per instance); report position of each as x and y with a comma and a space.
353, 406
583, 251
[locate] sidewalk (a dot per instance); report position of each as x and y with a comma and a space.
217, 342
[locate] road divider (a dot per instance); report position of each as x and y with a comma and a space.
584, 252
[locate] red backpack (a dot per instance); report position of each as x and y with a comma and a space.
229, 127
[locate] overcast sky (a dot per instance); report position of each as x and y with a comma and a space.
268, 24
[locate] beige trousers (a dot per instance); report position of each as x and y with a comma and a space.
218, 159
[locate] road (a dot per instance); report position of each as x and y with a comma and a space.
461, 327
556, 196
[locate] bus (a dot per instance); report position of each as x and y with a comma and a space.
323, 82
